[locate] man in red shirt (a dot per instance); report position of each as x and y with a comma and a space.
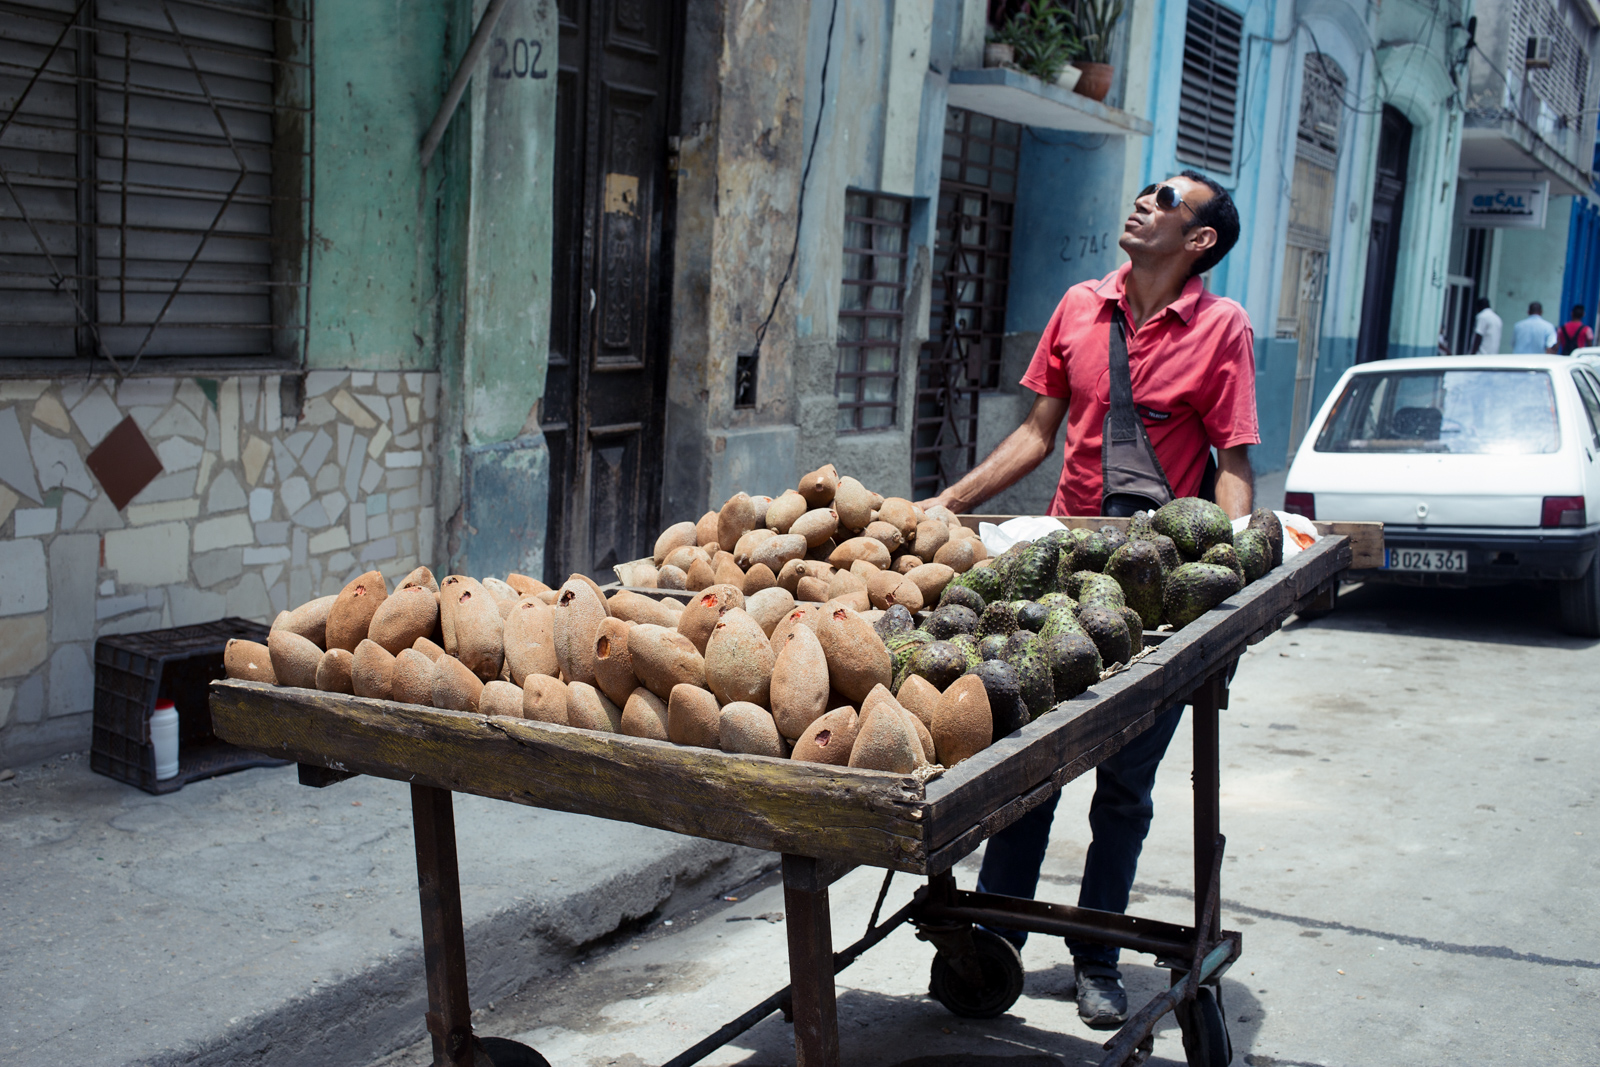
1192, 363
1573, 334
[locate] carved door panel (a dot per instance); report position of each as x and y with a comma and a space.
604, 402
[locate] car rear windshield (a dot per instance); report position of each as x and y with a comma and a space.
1465, 412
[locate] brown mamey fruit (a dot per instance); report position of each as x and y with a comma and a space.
886, 534
856, 600
776, 551
761, 504
333, 671
943, 514
704, 610
739, 660
249, 661
748, 544
530, 641
675, 536
700, 575
784, 509
421, 578
868, 548
931, 536
963, 724
372, 671
887, 742
728, 573
590, 709
920, 697
479, 627
353, 609
644, 576
294, 659
413, 678
705, 530
931, 578
455, 687
855, 504
544, 699
505, 597
613, 667
907, 593
737, 518
906, 563
799, 682
829, 738
663, 658
811, 590
599, 594
819, 486
758, 578
670, 577
957, 554
866, 570
577, 618
809, 615
645, 715
790, 574
683, 557
636, 607
880, 585
857, 658
816, 526
549, 596
844, 582
501, 698
408, 613
428, 648
692, 717
447, 611
901, 514
749, 729
309, 620
769, 606
524, 585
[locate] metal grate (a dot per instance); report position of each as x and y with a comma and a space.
154, 183
971, 271
1562, 85
1208, 99
871, 309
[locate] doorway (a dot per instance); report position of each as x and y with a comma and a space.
1383, 248
603, 412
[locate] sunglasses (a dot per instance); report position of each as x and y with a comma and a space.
1167, 198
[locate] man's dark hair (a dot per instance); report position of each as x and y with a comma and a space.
1220, 214
1480, 304
1577, 311
1536, 308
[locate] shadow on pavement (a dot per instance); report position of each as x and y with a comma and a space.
1507, 614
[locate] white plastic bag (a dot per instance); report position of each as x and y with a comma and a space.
1022, 528
1298, 523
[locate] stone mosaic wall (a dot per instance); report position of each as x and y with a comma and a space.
253, 512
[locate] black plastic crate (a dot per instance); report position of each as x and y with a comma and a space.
134, 671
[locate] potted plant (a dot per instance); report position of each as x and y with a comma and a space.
1042, 37
1095, 20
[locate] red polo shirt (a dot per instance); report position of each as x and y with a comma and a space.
1194, 382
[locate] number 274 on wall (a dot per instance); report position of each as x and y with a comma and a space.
517, 58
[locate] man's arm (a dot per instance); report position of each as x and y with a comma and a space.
1023, 450
1236, 482
1477, 344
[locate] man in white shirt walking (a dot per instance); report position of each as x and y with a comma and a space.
1486, 328
1535, 333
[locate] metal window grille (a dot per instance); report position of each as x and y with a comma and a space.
971, 272
1562, 83
154, 184
1208, 100
871, 309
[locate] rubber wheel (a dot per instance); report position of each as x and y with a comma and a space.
503, 1052
998, 962
1580, 603
1205, 1031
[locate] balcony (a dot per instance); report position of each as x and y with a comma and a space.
1021, 98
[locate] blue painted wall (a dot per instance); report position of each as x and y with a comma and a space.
1275, 365
1581, 283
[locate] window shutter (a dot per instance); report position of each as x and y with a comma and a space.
1208, 101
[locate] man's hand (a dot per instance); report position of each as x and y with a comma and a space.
1236, 482
1023, 450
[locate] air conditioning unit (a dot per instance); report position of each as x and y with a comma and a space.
1540, 54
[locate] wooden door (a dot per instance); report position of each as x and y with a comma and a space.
604, 404
1383, 247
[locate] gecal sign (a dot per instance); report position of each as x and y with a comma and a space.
1518, 205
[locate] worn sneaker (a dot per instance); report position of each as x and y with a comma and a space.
1102, 1001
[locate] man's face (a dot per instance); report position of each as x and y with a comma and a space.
1153, 232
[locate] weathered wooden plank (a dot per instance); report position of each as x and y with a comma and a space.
799, 808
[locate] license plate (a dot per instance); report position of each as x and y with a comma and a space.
1433, 560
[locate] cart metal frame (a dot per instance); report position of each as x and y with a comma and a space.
824, 821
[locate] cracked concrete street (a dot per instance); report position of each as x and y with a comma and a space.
1409, 796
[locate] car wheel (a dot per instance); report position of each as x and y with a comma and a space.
1580, 603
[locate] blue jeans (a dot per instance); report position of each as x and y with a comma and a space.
1119, 819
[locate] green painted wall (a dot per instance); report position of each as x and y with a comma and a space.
1530, 265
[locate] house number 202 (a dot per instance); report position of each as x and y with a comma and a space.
518, 58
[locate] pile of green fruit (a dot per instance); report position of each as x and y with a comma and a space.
1044, 619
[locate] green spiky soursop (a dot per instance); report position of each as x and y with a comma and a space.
1137, 568
964, 595
1074, 662
1032, 573
940, 662
1061, 621
1266, 520
1254, 551
1100, 589
968, 644
1000, 617
1108, 630
1001, 682
1139, 528
984, 581
901, 646
1024, 653
1195, 588
951, 619
1194, 525
1057, 600
1136, 628
993, 646
1225, 556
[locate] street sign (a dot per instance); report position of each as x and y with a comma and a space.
1508, 205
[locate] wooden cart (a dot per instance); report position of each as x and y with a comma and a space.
823, 820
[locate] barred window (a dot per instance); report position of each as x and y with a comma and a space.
1208, 101
871, 309
154, 181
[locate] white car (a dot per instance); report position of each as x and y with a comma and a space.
1483, 469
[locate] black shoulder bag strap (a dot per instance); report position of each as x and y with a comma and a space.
1131, 475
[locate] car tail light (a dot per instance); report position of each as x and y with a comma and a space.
1305, 504
1562, 511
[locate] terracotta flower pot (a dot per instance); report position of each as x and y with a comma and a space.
1096, 80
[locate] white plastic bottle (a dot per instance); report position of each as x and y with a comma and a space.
164, 738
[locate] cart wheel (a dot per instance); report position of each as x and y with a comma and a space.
999, 970
503, 1052
1205, 1031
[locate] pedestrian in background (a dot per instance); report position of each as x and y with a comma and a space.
1573, 334
1534, 333
1486, 326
